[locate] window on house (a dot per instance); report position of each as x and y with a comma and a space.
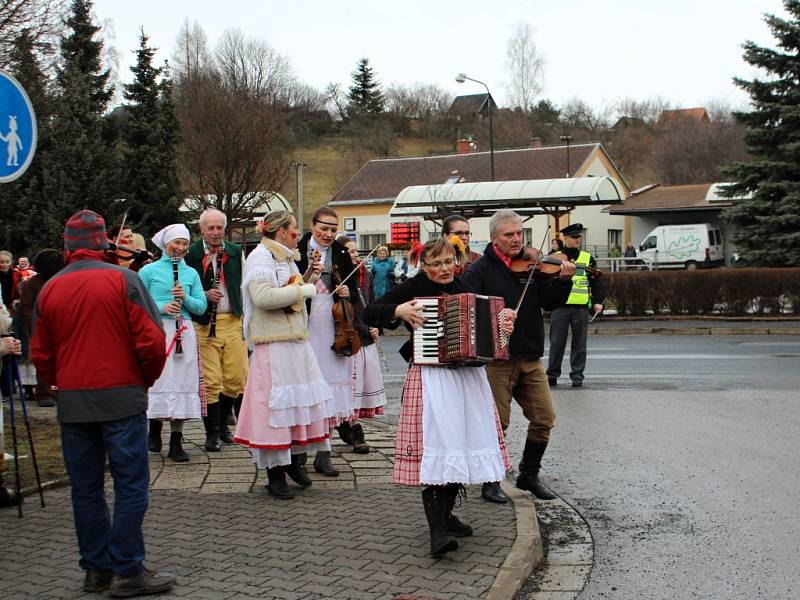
367, 241
527, 236
614, 238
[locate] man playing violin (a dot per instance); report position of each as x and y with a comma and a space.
586, 294
523, 377
223, 355
320, 246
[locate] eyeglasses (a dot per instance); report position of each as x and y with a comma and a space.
438, 264
461, 233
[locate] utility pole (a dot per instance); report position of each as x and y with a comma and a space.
298, 167
567, 139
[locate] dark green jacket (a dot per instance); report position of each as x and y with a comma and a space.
232, 271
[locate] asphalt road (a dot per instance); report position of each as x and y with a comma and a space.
682, 454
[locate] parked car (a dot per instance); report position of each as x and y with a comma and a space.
697, 245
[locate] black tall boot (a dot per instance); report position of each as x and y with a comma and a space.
345, 433
360, 445
211, 423
154, 436
225, 410
434, 499
237, 404
454, 525
277, 484
529, 471
176, 452
322, 464
7, 497
297, 470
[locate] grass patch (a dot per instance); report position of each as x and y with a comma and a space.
46, 441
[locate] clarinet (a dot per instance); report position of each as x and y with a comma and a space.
212, 328
176, 260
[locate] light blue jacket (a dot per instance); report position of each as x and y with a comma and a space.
382, 271
158, 280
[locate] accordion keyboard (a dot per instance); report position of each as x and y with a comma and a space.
426, 336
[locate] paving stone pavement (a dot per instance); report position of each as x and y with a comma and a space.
212, 523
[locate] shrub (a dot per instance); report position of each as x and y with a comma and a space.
703, 292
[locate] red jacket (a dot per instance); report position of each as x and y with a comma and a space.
98, 338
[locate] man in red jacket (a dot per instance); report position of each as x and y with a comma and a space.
97, 336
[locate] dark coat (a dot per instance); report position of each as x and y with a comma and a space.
339, 259
490, 276
380, 313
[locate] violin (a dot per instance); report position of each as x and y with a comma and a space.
545, 266
345, 341
136, 257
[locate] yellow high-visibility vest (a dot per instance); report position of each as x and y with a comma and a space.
580, 281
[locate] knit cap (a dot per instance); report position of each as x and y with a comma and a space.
85, 230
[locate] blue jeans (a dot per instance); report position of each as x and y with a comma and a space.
103, 545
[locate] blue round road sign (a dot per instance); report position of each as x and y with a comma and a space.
17, 129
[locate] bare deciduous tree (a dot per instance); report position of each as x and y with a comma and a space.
191, 50
525, 68
41, 18
233, 124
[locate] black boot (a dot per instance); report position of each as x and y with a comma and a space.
176, 452
225, 410
277, 484
454, 525
360, 445
154, 437
529, 471
211, 423
434, 499
237, 404
322, 464
491, 492
345, 433
297, 470
8, 498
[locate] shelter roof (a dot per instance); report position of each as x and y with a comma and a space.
486, 197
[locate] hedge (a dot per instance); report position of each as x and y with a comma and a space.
704, 292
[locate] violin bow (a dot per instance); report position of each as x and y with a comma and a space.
533, 268
121, 227
350, 274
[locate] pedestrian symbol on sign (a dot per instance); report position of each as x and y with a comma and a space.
13, 142
17, 129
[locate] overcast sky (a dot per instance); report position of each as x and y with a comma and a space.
685, 51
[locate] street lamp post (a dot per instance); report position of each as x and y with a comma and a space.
567, 139
461, 78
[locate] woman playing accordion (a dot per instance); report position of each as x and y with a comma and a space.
449, 434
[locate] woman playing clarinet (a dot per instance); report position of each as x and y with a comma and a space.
177, 291
449, 434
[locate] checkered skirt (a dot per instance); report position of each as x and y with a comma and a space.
409, 440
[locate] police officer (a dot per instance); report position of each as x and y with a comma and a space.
586, 297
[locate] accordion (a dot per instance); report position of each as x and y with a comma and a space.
460, 329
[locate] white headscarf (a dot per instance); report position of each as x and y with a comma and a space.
170, 233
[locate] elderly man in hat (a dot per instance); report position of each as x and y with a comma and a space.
585, 297
97, 336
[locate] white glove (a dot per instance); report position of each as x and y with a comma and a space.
308, 290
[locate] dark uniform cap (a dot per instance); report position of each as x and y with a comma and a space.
575, 229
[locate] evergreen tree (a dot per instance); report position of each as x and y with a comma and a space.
24, 198
773, 139
82, 171
365, 93
150, 136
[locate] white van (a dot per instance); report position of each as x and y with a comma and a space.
683, 246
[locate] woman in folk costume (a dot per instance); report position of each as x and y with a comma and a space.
178, 394
320, 246
449, 433
369, 393
285, 407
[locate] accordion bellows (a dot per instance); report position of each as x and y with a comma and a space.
460, 329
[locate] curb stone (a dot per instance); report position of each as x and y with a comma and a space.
526, 552
569, 557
